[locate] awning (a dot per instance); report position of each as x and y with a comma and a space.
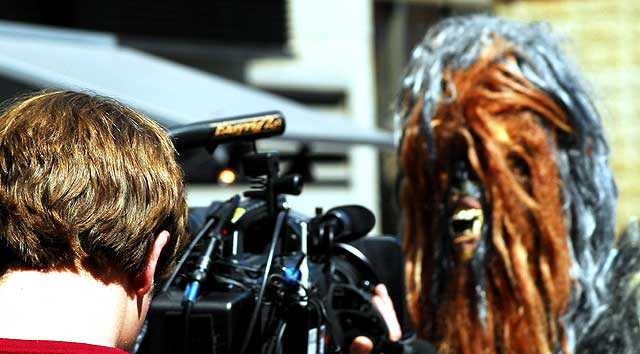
171, 93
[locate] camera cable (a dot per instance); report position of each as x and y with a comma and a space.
186, 254
282, 216
199, 275
218, 213
221, 214
277, 339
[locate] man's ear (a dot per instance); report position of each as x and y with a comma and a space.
144, 281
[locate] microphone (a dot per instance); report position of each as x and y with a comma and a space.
348, 222
222, 214
218, 131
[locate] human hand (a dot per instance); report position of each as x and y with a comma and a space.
382, 301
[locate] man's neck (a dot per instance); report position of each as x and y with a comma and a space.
63, 306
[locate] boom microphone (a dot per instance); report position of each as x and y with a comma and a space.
348, 222
214, 132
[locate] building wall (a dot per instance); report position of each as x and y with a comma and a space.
602, 37
331, 50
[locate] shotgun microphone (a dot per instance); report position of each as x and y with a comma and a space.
213, 132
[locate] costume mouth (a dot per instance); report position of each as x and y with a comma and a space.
465, 226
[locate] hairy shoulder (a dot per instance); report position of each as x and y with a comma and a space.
615, 324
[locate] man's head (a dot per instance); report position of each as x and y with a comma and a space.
505, 186
86, 183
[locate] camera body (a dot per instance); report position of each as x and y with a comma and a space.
261, 278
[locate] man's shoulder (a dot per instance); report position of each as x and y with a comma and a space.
19, 346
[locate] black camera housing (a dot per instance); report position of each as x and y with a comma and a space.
220, 318
265, 279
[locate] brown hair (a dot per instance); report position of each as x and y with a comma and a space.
86, 181
506, 128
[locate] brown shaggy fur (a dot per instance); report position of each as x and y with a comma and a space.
504, 126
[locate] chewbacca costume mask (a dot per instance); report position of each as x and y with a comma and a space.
507, 194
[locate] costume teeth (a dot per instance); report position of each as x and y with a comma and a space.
467, 214
477, 225
474, 215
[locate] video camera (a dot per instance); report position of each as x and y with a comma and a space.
258, 277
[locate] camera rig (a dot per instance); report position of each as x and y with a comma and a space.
258, 277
